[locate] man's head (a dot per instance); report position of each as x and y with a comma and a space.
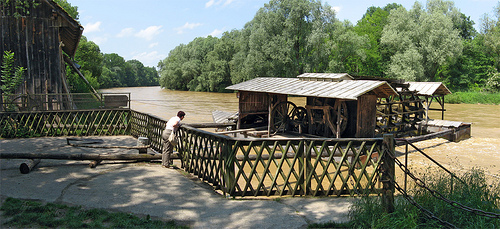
181, 114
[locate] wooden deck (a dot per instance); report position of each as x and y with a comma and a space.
462, 130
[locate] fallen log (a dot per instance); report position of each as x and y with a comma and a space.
110, 147
26, 167
81, 156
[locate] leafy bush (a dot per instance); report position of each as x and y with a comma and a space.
473, 98
475, 193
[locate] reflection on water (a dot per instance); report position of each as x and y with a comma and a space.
199, 106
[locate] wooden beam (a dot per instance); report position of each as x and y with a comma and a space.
79, 156
242, 130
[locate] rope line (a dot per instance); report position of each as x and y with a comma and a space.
436, 194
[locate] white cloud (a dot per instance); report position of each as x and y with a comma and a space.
336, 9
149, 58
228, 2
218, 2
150, 32
216, 33
209, 3
152, 45
92, 27
126, 32
180, 30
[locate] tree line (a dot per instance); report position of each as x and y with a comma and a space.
435, 42
105, 70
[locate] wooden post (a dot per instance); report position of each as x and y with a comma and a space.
143, 141
229, 172
307, 168
302, 161
26, 167
339, 116
388, 173
442, 107
269, 121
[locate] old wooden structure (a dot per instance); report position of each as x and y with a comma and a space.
43, 36
336, 106
430, 91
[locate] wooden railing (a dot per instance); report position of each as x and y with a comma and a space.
238, 167
147, 125
278, 167
64, 123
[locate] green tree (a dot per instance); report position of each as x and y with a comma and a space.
278, 39
182, 69
371, 25
491, 33
471, 70
72, 10
89, 57
348, 50
420, 41
11, 78
144, 76
216, 75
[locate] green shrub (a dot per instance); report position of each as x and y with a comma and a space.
367, 212
473, 98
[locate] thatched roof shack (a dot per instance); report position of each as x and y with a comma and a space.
40, 35
336, 106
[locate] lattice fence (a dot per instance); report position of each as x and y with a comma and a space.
238, 167
278, 167
64, 123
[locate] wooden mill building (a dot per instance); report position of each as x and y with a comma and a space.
336, 104
43, 37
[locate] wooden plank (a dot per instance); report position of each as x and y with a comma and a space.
115, 101
366, 116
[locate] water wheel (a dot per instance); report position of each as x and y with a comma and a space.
286, 116
338, 120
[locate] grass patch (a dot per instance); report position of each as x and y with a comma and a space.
473, 98
28, 214
367, 212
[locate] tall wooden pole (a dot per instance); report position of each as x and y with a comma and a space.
388, 173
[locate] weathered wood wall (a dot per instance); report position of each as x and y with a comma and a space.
253, 104
366, 116
36, 41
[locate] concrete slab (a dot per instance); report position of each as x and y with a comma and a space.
148, 189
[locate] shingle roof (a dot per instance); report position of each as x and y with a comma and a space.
429, 88
346, 89
325, 76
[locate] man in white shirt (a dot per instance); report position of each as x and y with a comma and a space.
171, 128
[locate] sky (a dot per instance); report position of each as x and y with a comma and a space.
147, 30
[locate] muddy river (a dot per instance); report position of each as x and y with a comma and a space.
481, 150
